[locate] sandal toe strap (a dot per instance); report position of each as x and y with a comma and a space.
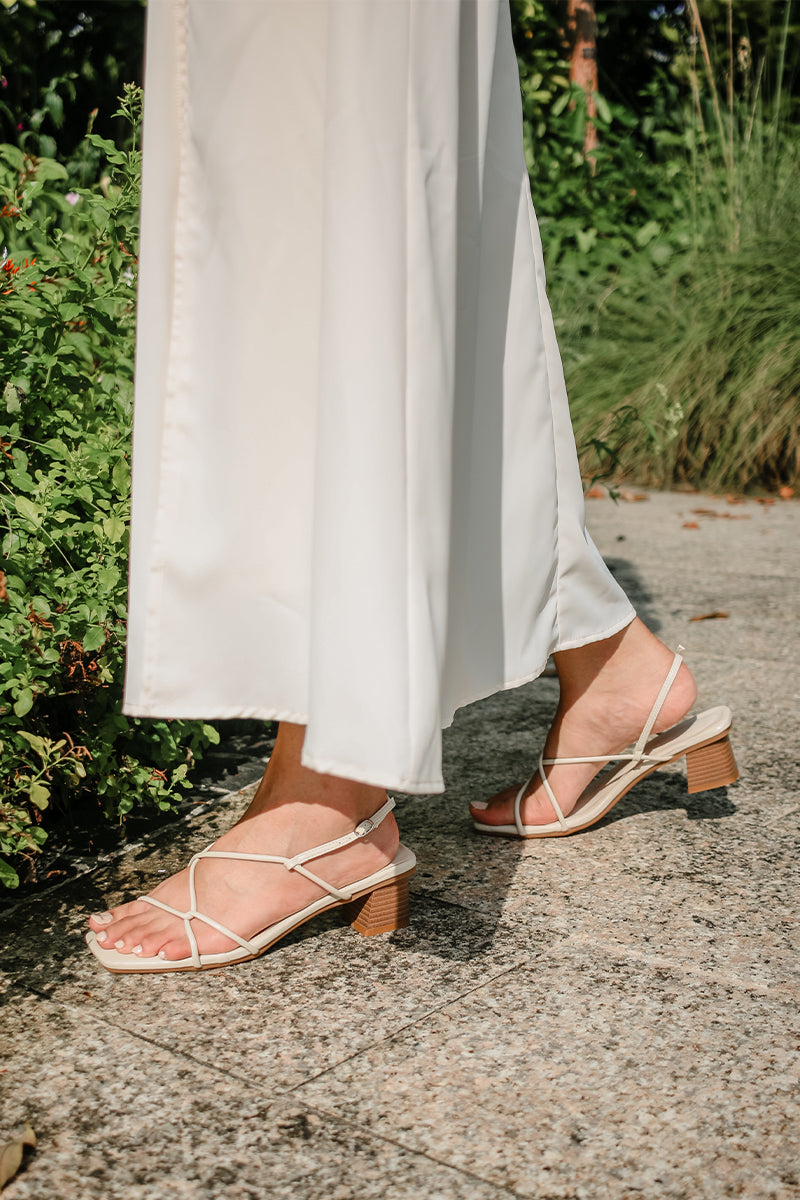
550, 795
291, 864
193, 915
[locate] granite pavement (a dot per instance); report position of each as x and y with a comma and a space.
607, 1016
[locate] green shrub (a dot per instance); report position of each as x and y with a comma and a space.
693, 336
67, 294
704, 350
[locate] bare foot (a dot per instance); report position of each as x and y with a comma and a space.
293, 810
607, 691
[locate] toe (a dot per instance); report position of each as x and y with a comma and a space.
98, 921
498, 810
175, 950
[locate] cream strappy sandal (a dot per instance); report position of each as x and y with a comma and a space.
703, 739
376, 904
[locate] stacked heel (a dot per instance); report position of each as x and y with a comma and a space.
711, 766
381, 911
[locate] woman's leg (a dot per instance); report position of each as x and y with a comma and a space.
607, 691
293, 810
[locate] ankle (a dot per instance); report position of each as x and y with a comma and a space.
286, 780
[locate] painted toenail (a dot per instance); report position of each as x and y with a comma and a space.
480, 805
136, 950
103, 918
102, 937
119, 945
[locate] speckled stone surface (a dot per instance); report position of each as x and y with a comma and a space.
119, 1117
608, 1016
589, 1069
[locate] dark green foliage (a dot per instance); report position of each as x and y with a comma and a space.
674, 295
62, 67
68, 287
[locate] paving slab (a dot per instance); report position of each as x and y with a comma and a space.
591, 1075
610, 1015
119, 1117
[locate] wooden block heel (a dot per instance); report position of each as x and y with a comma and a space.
381, 911
711, 766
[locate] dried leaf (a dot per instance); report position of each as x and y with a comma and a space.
712, 512
11, 1155
632, 497
786, 492
690, 525
765, 499
710, 616
596, 493
3, 589
734, 500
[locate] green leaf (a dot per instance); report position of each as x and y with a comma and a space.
121, 476
8, 876
11, 399
585, 238
39, 795
27, 509
107, 577
94, 639
39, 744
603, 110
211, 734
114, 528
660, 252
24, 703
647, 233
41, 607
47, 168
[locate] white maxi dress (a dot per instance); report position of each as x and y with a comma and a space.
356, 500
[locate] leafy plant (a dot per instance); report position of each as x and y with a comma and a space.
67, 299
700, 338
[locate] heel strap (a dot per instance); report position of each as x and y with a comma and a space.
638, 749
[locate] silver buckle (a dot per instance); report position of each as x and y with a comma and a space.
365, 827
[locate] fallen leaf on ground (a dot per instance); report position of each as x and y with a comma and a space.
632, 497
712, 512
765, 499
11, 1155
690, 525
712, 616
786, 492
734, 500
596, 493
3, 591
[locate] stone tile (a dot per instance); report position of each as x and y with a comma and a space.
118, 1118
589, 1075
747, 565
318, 997
715, 891
653, 534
